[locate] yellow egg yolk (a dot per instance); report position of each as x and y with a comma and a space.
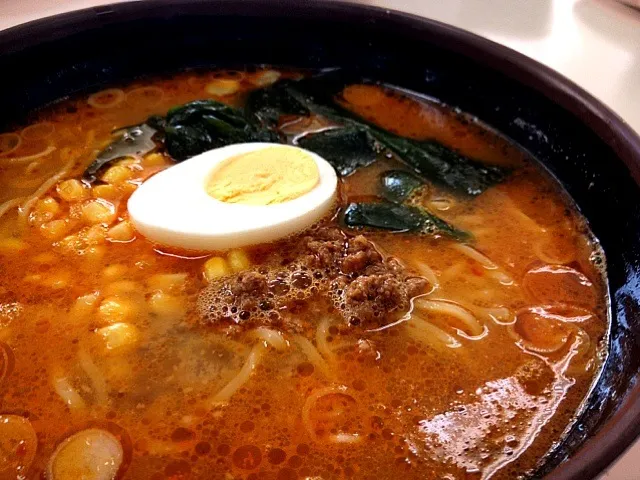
264, 177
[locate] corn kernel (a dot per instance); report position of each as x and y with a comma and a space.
117, 174
166, 305
129, 162
44, 210
122, 232
98, 211
116, 309
58, 280
54, 229
167, 282
127, 188
216, 267
154, 160
12, 245
94, 253
107, 192
94, 235
222, 86
119, 337
114, 272
84, 305
238, 260
72, 190
48, 205
265, 78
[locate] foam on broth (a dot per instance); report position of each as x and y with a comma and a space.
428, 397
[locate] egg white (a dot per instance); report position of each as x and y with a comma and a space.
172, 208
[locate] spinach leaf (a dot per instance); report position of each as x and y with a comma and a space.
397, 185
445, 166
346, 149
202, 125
399, 218
428, 158
136, 140
266, 105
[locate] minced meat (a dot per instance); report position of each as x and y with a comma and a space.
350, 274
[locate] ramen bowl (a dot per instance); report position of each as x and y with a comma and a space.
591, 151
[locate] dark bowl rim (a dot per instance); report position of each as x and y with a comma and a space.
623, 427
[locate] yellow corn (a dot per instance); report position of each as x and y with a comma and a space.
54, 229
72, 190
119, 337
265, 78
12, 245
107, 192
94, 235
115, 271
116, 309
238, 260
122, 232
216, 267
44, 210
222, 86
166, 305
98, 211
154, 160
167, 282
94, 253
117, 174
84, 306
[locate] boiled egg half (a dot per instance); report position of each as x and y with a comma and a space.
234, 196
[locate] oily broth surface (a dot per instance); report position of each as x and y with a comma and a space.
389, 405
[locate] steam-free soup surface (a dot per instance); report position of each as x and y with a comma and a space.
115, 361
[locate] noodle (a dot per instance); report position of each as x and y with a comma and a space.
117, 94
96, 377
427, 272
35, 131
28, 158
69, 395
313, 355
500, 315
451, 309
310, 403
486, 262
429, 334
5, 143
272, 338
546, 258
321, 340
242, 377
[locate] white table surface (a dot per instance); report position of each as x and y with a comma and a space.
595, 43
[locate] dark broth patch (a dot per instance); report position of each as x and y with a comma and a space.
101, 330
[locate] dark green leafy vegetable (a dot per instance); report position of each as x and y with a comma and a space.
434, 160
428, 158
399, 218
397, 185
266, 105
206, 124
133, 141
346, 149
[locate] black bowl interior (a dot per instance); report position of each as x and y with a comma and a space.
590, 150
